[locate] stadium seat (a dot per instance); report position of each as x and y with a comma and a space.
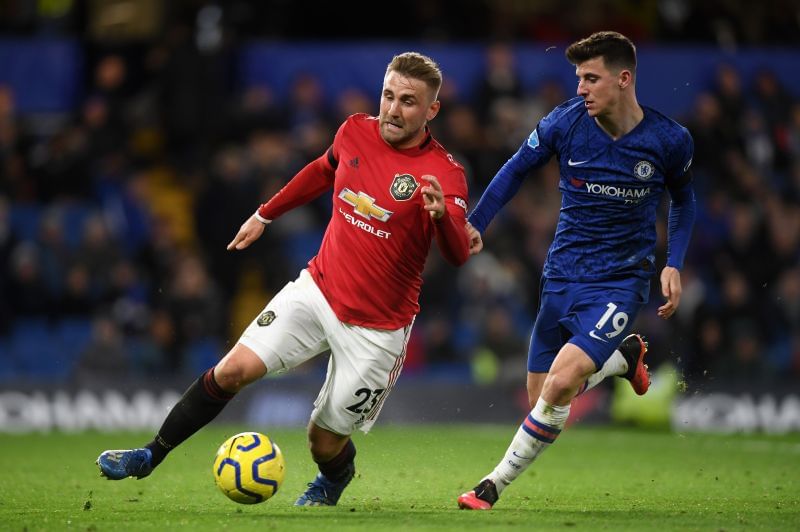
25, 219
74, 218
34, 349
72, 336
202, 354
7, 370
301, 246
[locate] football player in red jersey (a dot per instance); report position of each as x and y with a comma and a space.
395, 189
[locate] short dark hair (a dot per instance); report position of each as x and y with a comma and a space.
615, 49
417, 66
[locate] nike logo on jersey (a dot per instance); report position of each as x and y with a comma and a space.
576, 163
594, 335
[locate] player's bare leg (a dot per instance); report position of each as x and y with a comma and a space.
534, 385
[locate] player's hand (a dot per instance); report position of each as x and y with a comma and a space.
671, 290
433, 196
475, 240
248, 233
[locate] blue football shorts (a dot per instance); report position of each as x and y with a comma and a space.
593, 316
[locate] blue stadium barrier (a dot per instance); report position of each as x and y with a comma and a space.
669, 77
45, 74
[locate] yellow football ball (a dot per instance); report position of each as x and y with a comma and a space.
249, 468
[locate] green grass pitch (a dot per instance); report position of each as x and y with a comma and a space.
409, 477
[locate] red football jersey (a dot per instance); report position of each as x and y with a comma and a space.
370, 262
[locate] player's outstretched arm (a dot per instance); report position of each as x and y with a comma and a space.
475, 240
248, 233
671, 290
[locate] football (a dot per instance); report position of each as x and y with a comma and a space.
249, 468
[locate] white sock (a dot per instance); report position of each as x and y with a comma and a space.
615, 365
537, 432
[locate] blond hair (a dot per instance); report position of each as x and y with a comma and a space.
418, 66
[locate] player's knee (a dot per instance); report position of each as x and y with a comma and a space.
234, 372
229, 376
321, 452
560, 386
324, 445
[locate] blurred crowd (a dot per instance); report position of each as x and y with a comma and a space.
114, 221
729, 23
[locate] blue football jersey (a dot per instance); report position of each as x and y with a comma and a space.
611, 190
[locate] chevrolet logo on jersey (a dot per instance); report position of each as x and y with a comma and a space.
364, 205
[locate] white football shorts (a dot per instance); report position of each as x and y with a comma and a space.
299, 324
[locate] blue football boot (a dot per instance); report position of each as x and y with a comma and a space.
323, 492
116, 465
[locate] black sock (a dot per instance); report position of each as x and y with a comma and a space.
337, 468
201, 403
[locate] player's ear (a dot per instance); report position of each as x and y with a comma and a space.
433, 110
625, 78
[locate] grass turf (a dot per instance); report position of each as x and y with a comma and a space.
409, 478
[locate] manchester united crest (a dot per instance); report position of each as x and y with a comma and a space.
403, 187
266, 318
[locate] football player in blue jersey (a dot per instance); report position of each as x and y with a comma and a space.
616, 159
